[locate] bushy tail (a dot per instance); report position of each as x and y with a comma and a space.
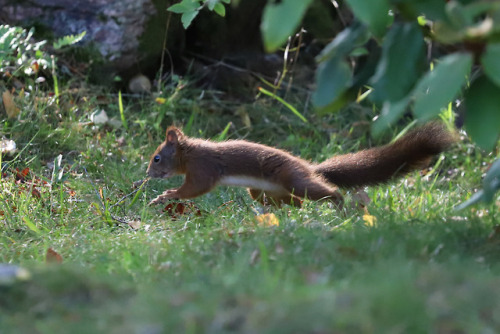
380, 164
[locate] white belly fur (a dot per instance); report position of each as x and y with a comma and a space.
250, 182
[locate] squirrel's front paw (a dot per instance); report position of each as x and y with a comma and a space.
158, 200
163, 197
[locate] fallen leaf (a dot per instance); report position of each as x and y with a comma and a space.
7, 146
99, 117
161, 100
9, 105
178, 209
267, 219
360, 198
21, 175
254, 257
139, 84
175, 208
135, 224
35, 193
52, 256
369, 219
35, 66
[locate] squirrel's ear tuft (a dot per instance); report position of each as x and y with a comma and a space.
174, 134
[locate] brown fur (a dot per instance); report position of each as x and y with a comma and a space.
380, 164
276, 176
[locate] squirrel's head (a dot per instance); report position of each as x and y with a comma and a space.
165, 162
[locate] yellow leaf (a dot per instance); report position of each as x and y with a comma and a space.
161, 100
267, 219
369, 220
9, 105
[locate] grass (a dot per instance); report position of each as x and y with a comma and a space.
421, 267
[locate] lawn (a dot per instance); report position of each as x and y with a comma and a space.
96, 258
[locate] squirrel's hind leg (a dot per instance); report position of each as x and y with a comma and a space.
277, 199
316, 189
257, 195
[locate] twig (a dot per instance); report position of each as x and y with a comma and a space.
215, 62
164, 50
131, 193
95, 189
101, 202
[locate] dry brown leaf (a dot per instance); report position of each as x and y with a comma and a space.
52, 256
177, 209
360, 199
135, 224
9, 105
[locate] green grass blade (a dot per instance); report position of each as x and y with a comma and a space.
286, 104
122, 113
31, 225
223, 134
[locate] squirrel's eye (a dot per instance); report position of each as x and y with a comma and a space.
157, 158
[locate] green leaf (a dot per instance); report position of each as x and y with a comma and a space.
374, 13
189, 10
187, 18
481, 7
346, 41
491, 184
211, 4
456, 15
439, 87
178, 8
333, 77
491, 63
402, 62
358, 52
220, 9
390, 113
411, 9
482, 120
68, 40
280, 20
445, 33
346, 97
474, 199
185, 6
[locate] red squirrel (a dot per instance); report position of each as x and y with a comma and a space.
275, 176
